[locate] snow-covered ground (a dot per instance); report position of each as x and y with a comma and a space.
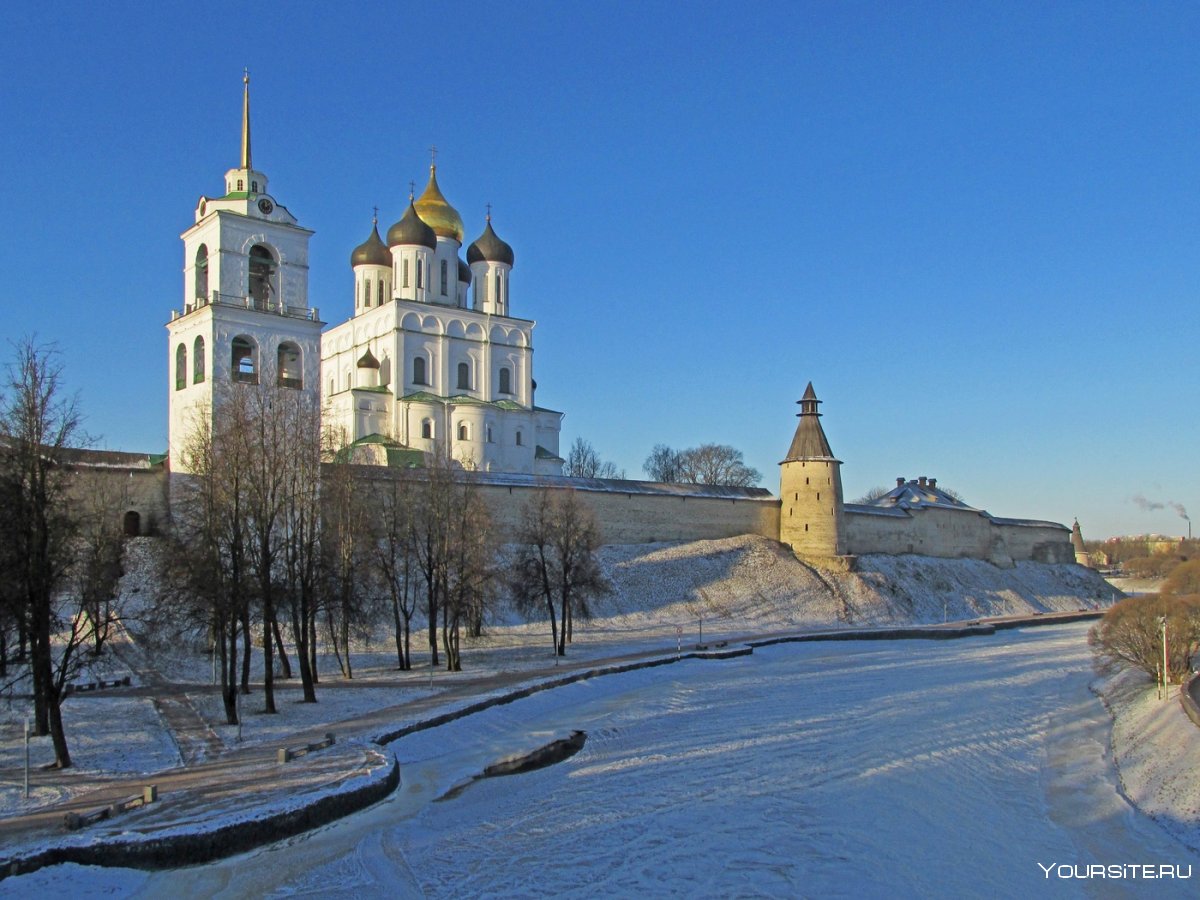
663, 595
967, 768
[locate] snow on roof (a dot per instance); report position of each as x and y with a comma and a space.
622, 486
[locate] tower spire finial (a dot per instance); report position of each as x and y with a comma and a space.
433, 158
489, 212
246, 163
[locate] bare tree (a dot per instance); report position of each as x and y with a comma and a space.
209, 573
453, 552
554, 562
300, 558
1131, 633
37, 425
717, 464
469, 567
346, 551
871, 495
395, 560
584, 462
663, 464
99, 552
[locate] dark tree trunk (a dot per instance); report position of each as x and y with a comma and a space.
247, 648
300, 635
401, 636
282, 653
312, 644
62, 756
227, 640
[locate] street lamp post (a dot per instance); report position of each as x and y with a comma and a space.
1162, 621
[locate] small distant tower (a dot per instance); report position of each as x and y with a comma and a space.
810, 487
1081, 555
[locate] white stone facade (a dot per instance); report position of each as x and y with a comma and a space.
435, 363
245, 316
425, 364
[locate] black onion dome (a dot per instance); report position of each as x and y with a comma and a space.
464, 272
489, 247
411, 230
371, 252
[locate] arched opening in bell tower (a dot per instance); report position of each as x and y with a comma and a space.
289, 366
244, 360
261, 287
201, 282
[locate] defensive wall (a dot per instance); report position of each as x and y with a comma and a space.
632, 512
954, 534
638, 512
135, 484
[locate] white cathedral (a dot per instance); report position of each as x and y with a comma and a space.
430, 359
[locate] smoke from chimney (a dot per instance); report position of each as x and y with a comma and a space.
1146, 505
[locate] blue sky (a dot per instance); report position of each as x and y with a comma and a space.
974, 226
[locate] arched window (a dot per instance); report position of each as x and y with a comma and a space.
427, 428
505, 380
241, 185
404, 267
289, 366
518, 438
180, 367
464, 433
254, 187
419, 370
445, 278
464, 376
198, 361
489, 434
132, 524
420, 275
202, 272
262, 267
244, 360
381, 291
366, 293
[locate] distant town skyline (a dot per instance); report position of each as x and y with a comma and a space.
974, 229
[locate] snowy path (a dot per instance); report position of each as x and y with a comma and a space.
898, 769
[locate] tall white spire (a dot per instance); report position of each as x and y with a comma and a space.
246, 163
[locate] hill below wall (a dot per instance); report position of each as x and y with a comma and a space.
751, 583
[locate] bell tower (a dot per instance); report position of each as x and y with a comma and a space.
245, 317
810, 488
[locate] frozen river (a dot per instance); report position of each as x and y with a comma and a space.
866, 769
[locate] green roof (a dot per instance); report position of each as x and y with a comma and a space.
404, 458
375, 389
377, 438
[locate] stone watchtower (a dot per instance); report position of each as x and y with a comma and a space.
1081, 555
810, 486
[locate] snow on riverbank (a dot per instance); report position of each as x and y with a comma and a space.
1157, 750
663, 594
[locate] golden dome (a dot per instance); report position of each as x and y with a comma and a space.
436, 212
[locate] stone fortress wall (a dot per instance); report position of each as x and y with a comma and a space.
955, 534
639, 512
